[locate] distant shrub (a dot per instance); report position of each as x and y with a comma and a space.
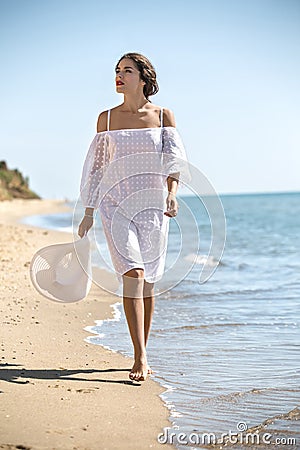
13, 184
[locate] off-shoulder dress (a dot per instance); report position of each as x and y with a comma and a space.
124, 175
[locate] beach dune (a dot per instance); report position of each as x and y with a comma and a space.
57, 391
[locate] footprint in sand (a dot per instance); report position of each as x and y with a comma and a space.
86, 390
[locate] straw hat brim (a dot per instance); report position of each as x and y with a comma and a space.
62, 272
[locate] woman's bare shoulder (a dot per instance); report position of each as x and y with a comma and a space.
102, 119
168, 115
102, 122
168, 118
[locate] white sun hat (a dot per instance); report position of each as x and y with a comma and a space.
62, 272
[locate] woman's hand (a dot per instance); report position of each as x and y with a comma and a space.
172, 205
85, 225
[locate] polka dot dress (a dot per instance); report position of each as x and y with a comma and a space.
124, 175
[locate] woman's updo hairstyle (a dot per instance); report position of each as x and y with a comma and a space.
147, 72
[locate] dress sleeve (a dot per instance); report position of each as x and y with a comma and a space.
94, 166
174, 157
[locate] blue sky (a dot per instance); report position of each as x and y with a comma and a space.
229, 70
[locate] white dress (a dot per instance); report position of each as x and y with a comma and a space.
124, 175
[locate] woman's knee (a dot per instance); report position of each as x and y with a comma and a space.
134, 273
133, 282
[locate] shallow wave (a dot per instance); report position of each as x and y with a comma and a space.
203, 259
223, 292
199, 327
233, 396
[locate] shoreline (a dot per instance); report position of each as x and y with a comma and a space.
59, 391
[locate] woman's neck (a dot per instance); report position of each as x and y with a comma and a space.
134, 104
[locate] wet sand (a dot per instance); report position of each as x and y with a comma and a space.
57, 391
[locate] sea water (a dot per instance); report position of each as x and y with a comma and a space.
227, 351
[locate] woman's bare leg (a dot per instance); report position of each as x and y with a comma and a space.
148, 295
133, 284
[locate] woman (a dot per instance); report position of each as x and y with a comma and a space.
124, 153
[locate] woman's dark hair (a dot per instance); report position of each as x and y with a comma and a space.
147, 72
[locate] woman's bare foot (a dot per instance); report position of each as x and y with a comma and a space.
139, 370
150, 371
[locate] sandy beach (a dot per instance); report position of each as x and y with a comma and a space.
57, 391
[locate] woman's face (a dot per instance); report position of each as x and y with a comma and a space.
128, 78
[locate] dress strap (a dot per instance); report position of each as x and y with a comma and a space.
108, 119
162, 117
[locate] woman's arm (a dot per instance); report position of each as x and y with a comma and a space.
171, 200
87, 221
172, 180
